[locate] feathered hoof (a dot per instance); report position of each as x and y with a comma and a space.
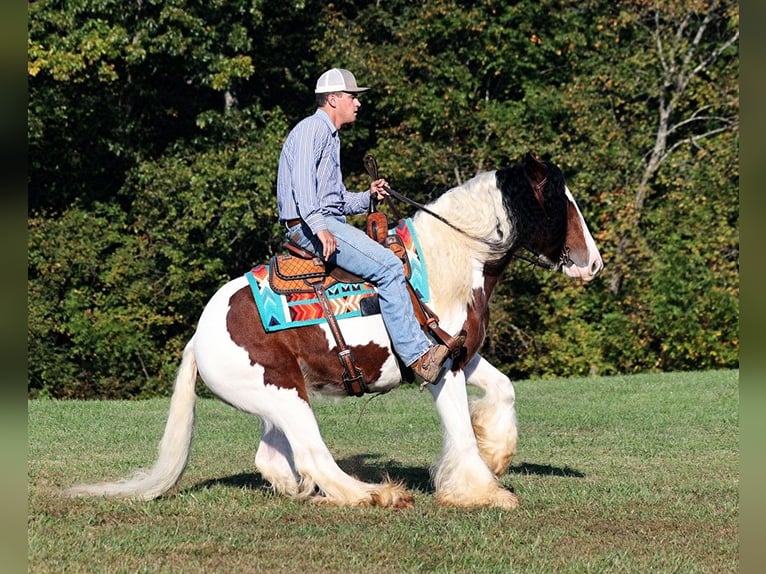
496, 449
387, 495
507, 499
493, 498
392, 495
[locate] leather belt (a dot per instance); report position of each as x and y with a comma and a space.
291, 222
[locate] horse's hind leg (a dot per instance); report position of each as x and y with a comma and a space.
273, 459
317, 468
293, 457
493, 416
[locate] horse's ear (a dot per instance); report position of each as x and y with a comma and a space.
536, 173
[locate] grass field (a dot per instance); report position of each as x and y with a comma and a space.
622, 474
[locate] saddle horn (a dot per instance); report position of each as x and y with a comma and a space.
377, 222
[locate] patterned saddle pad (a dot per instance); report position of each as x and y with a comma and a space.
280, 312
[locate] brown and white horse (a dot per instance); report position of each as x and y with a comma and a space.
272, 375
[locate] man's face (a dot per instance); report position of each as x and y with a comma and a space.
346, 106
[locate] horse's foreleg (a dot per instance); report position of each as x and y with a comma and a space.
461, 477
493, 415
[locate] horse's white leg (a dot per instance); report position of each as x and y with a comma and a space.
493, 415
461, 477
317, 468
292, 455
273, 459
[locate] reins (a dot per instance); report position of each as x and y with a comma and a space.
371, 165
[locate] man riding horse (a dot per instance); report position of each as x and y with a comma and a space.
465, 240
313, 203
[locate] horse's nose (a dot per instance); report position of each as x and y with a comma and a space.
597, 266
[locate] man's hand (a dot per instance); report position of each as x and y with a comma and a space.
378, 189
329, 245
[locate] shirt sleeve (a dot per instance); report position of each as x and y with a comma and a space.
355, 201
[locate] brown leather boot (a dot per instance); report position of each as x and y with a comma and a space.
428, 366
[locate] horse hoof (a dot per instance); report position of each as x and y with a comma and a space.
509, 501
393, 495
386, 495
499, 498
498, 464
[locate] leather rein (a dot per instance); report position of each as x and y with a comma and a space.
371, 165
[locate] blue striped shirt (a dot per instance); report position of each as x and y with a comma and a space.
309, 180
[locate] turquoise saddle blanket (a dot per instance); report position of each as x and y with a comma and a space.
347, 300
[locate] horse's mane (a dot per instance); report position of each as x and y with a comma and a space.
498, 212
477, 208
527, 211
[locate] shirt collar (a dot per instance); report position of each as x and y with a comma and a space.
321, 114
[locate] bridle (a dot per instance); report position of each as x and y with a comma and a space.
544, 262
371, 165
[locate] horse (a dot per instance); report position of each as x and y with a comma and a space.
468, 236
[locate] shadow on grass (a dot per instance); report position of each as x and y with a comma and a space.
366, 467
248, 480
544, 470
370, 467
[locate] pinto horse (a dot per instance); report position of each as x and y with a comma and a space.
479, 227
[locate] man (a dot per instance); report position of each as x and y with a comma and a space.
313, 203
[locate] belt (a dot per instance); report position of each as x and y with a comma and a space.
291, 222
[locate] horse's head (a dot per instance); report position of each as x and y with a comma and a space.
547, 220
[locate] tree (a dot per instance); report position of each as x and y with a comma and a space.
667, 184
695, 43
154, 130
148, 185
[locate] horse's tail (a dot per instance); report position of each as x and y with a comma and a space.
173, 450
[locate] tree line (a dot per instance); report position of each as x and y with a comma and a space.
154, 130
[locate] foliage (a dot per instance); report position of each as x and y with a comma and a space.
129, 283
667, 231
155, 128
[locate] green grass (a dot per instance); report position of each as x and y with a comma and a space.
621, 474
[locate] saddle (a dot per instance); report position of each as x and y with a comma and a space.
299, 271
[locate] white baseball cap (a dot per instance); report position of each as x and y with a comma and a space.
338, 80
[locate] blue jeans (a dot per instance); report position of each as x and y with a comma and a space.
378, 265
